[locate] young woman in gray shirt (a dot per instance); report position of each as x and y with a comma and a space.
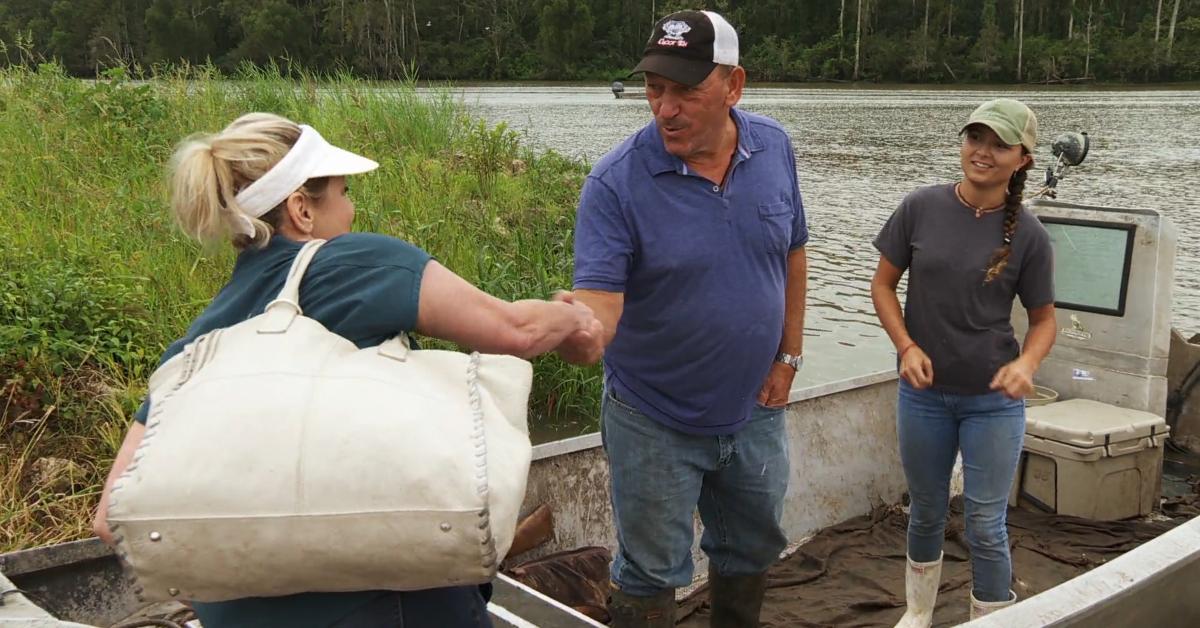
969, 249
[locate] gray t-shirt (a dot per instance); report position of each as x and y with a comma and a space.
962, 323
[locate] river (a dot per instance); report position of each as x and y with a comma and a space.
860, 150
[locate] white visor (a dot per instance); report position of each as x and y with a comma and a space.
309, 158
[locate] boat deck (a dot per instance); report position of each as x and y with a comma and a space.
852, 573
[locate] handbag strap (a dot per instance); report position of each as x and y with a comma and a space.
286, 307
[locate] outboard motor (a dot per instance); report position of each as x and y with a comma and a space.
618, 88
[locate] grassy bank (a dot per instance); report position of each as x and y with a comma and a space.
95, 280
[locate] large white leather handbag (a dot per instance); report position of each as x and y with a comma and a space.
279, 458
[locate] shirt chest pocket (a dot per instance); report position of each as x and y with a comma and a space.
775, 219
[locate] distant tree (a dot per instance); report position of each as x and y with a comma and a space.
270, 30
1071, 20
71, 29
890, 40
841, 31
565, 33
184, 30
1171, 33
1020, 28
920, 42
117, 34
1187, 58
858, 39
986, 52
1087, 62
775, 59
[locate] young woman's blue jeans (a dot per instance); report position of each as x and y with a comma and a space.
989, 429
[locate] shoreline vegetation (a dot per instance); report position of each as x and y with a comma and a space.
918, 42
97, 279
635, 82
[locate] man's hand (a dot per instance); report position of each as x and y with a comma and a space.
775, 391
1014, 379
582, 347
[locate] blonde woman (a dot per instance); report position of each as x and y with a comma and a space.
970, 249
266, 185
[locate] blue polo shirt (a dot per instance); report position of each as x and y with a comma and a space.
703, 269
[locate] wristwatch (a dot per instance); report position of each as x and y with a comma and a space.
794, 361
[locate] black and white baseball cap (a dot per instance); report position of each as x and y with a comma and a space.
685, 46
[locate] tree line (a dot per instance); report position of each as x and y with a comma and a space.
926, 41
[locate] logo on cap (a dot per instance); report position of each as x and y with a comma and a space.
675, 30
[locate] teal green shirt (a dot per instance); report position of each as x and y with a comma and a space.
362, 286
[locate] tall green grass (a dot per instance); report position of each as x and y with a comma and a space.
95, 279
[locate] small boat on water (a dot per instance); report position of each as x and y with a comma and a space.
619, 91
1095, 449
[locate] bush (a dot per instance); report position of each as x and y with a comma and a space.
60, 314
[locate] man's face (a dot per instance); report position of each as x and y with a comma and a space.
691, 119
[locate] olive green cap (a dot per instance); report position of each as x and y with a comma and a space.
1010, 119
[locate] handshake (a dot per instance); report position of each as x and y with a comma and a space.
585, 343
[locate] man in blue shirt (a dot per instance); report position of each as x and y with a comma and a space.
689, 246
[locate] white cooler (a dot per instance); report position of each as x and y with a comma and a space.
1090, 459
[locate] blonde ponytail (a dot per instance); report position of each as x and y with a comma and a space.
208, 170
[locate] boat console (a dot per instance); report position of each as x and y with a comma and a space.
1113, 276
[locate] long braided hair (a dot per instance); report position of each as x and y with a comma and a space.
1012, 213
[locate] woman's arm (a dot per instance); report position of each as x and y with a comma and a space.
133, 438
1015, 379
915, 367
452, 309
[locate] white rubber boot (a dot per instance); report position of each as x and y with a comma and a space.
921, 582
979, 609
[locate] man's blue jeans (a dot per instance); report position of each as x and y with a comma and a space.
989, 429
660, 475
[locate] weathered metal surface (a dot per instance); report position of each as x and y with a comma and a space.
842, 442
1152, 585
80, 581
515, 605
18, 611
41, 558
575, 486
845, 457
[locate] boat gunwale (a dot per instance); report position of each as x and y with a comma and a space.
44, 557
798, 394
1102, 587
